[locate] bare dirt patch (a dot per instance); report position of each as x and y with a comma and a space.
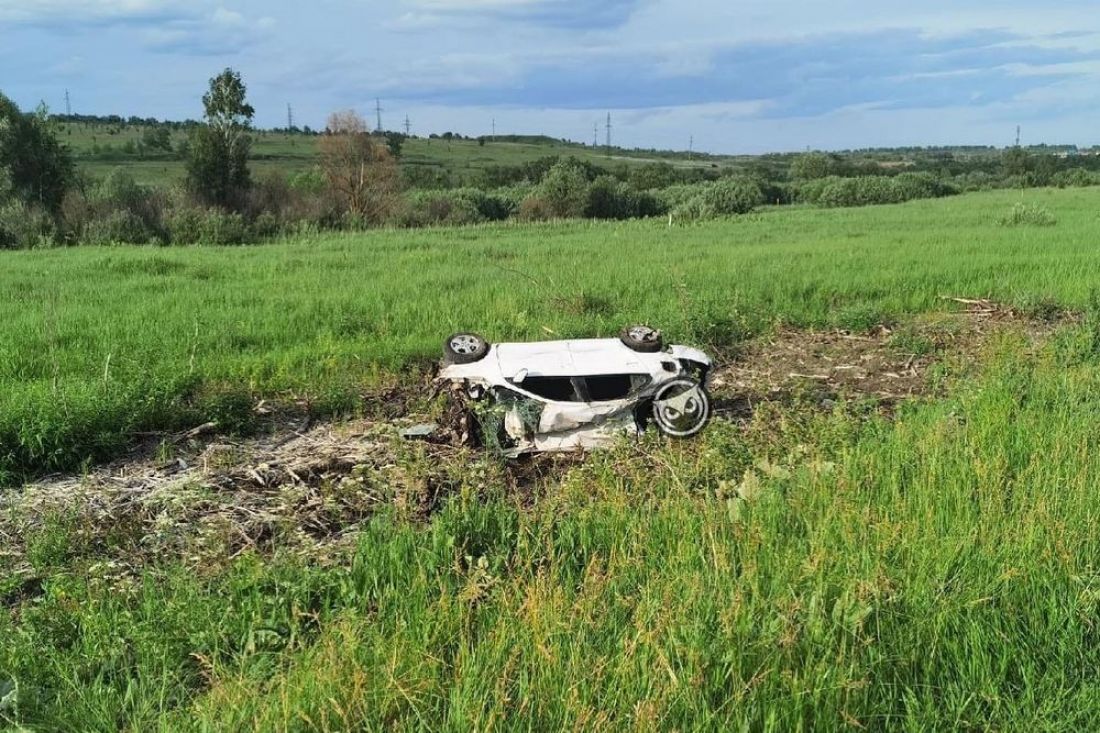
886, 366
309, 489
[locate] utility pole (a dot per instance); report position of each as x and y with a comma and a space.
609, 133
408, 125
378, 112
289, 117
68, 105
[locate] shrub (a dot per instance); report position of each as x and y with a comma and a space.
734, 195
609, 198
220, 227
1022, 214
564, 189
862, 191
185, 226
117, 227
266, 225
1073, 178
534, 208
23, 226
911, 186
674, 196
456, 207
116, 210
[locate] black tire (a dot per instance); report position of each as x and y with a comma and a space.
687, 424
642, 338
465, 348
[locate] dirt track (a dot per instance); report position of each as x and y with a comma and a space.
310, 488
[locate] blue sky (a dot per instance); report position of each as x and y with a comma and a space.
744, 76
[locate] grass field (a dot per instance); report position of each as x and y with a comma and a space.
936, 570
294, 153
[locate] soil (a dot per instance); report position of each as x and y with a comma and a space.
885, 366
309, 489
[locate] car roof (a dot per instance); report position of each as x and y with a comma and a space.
574, 358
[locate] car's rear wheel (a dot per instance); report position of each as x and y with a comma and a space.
465, 348
681, 408
642, 338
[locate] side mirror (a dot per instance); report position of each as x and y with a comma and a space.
520, 376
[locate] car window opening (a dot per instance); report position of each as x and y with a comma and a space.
555, 389
606, 388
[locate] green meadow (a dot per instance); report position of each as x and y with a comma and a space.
934, 569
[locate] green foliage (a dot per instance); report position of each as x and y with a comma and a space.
808, 570
35, 167
728, 196
1016, 162
1074, 177
116, 227
564, 189
610, 198
276, 324
217, 163
23, 226
811, 166
221, 227
835, 191
1022, 214
157, 138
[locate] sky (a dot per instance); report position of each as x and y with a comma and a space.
724, 76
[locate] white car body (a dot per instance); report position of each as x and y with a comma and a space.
597, 411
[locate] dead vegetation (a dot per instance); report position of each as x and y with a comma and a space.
885, 366
310, 489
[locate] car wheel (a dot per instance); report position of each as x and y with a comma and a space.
465, 348
642, 338
681, 408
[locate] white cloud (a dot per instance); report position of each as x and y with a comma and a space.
88, 11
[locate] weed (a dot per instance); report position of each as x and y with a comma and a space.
1022, 214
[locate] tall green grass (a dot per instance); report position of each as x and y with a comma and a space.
934, 573
99, 343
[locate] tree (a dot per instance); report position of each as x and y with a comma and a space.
157, 138
360, 171
37, 168
564, 189
810, 166
1016, 162
217, 163
394, 143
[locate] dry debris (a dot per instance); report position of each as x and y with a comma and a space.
311, 489
886, 365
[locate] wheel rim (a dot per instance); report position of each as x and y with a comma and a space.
465, 344
681, 408
643, 334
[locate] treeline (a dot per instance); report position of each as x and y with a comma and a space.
358, 184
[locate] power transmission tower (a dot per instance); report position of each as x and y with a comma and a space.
378, 112
289, 117
609, 133
408, 125
691, 146
494, 129
1017, 136
595, 134
68, 106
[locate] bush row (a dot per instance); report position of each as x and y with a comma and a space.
118, 210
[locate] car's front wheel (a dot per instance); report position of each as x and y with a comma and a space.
681, 408
465, 348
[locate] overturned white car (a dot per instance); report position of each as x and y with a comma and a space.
584, 393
